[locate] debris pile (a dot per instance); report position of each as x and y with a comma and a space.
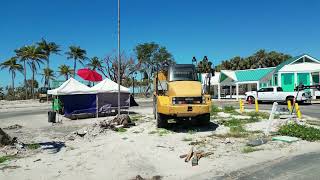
122, 121
15, 126
138, 177
5, 139
195, 155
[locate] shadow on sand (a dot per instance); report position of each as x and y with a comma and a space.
187, 126
53, 146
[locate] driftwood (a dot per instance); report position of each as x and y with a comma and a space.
189, 155
195, 155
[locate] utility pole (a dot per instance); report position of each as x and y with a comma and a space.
119, 61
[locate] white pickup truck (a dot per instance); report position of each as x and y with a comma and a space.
277, 94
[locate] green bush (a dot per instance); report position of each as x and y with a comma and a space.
300, 131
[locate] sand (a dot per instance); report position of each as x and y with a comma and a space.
141, 150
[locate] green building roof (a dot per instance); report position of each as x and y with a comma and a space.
253, 74
291, 60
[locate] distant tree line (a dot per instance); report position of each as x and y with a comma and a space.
260, 59
37, 56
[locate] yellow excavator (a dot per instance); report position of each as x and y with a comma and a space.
178, 95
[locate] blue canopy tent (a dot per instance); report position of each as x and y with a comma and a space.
78, 103
76, 97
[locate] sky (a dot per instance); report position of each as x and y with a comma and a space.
219, 29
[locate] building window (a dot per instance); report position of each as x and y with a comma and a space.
275, 80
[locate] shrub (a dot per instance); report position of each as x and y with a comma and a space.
300, 131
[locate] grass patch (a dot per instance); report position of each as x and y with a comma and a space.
152, 132
237, 129
163, 132
257, 115
6, 158
187, 139
230, 110
192, 131
33, 146
160, 132
215, 109
136, 118
249, 149
300, 131
121, 130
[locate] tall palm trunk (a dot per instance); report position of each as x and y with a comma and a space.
12, 76
47, 80
32, 83
74, 67
25, 79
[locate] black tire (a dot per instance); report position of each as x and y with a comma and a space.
252, 98
291, 99
154, 107
203, 119
162, 121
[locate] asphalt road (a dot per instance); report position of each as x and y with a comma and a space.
304, 167
4, 115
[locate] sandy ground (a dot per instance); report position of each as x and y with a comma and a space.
141, 150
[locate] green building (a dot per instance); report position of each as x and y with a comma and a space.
303, 69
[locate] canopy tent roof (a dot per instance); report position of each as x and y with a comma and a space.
108, 85
71, 86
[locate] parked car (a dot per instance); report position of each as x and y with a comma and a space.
276, 94
43, 96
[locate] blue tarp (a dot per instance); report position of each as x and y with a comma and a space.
79, 103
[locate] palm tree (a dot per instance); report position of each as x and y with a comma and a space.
48, 74
34, 55
96, 63
12, 65
65, 71
21, 54
77, 54
48, 48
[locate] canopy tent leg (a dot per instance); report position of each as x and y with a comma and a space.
219, 91
237, 91
97, 106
